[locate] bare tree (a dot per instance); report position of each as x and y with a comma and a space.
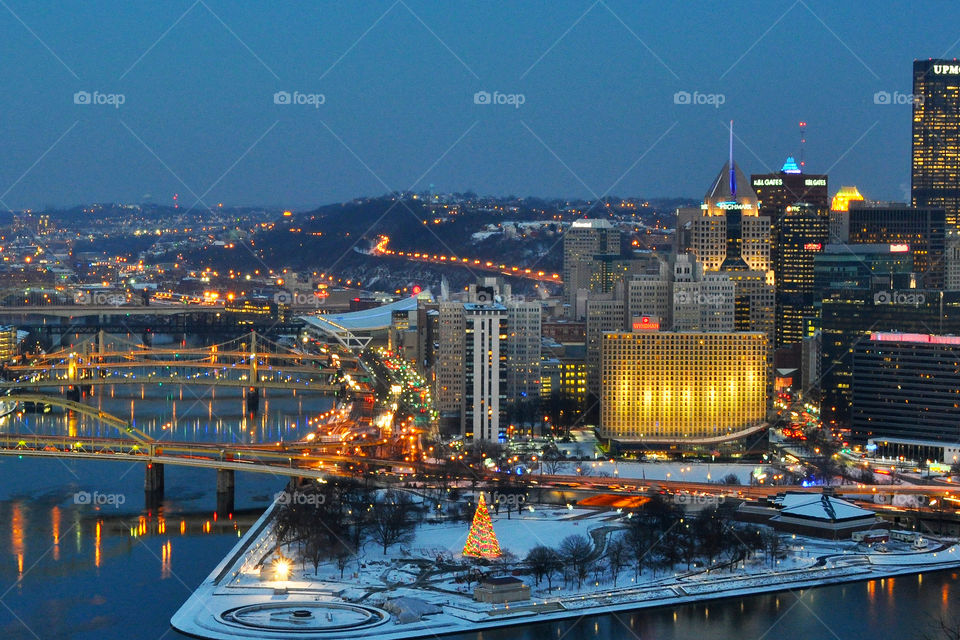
390, 519
618, 554
543, 562
576, 550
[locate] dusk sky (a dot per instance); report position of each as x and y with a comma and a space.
597, 82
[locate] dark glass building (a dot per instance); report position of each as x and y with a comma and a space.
919, 231
850, 316
801, 233
935, 167
906, 394
777, 191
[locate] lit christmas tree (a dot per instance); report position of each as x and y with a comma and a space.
482, 541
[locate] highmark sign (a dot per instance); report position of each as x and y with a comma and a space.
734, 205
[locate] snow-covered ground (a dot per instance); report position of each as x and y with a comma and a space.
430, 569
683, 471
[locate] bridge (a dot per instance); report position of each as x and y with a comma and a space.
250, 361
304, 459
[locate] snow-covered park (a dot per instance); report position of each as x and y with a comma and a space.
427, 579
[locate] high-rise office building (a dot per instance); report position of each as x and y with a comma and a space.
935, 175
730, 232
919, 231
607, 313
485, 380
449, 365
840, 213
905, 395
582, 241
523, 350
777, 191
852, 315
730, 236
661, 387
841, 267
801, 233
701, 302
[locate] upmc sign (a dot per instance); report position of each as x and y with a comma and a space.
946, 69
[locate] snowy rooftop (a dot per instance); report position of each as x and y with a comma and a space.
820, 507
365, 320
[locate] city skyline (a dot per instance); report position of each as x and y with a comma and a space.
192, 99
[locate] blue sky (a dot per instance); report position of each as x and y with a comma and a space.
398, 79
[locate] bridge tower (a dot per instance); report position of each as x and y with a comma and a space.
73, 386
100, 350
225, 491
253, 393
153, 485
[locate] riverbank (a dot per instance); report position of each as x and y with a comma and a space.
234, 602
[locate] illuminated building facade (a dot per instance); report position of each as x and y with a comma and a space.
731, 237
8, 343
730, 224
670, 387
839, 216
566, 378
485, 379
801, 233
935, 167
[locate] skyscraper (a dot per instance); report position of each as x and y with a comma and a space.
665, 387
485, 379
919, 231
730, 236
935, 175
905, 394
801, 233
777, 191
523, 350
582, 241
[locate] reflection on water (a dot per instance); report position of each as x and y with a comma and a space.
192, 414
168, 411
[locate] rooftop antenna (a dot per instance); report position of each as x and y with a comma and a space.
803, 141
733, 176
